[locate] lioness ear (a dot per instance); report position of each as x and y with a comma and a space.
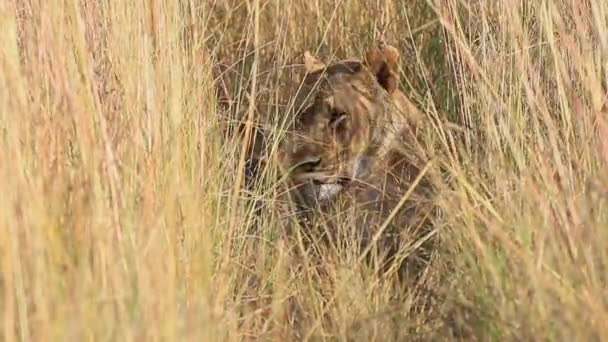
383, 62
311, 64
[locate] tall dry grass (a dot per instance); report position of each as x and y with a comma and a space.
122, 210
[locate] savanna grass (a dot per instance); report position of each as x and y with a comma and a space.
123, 206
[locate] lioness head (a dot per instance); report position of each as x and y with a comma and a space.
343, 117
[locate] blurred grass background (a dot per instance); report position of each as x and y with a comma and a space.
121, 215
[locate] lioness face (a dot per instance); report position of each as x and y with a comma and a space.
338, 126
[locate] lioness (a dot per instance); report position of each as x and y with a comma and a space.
351, 124
352, 141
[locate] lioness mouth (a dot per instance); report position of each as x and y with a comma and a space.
325, 187
328, 191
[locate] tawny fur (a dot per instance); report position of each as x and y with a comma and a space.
351, 146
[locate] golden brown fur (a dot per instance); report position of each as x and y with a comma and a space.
352, 151
350, 122
351, 147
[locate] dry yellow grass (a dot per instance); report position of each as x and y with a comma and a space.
121, 211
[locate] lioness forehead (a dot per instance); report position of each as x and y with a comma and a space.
320, 84
343, 67
338, 74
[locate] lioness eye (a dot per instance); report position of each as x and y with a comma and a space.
336, 118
